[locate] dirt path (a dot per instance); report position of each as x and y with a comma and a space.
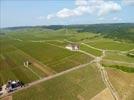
45, 41
131, 50
68, 41
121, 62
43, 68
50, 43
105, 77
48, 71
33, 72
57, 46
87, 53
7, 98
49, 77
16, 39
91, 47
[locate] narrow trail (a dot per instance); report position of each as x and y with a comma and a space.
68, 41
47, 70
41, 41
121, 62
48, 78
121, 51
105, 77
131, 50
17, 39
103, 72
91, 47
87, 53
33, 72
97, 60
56, 45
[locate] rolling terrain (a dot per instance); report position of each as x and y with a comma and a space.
103, 66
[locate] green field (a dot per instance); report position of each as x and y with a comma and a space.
11, 64
90, 50
82, 83
122, 68
14, 53
115, 62
108, 44
45, 48
117, 56
123, 83
54, 57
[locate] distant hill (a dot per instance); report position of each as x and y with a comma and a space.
119, 31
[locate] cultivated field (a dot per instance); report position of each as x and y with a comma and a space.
90, 50
80, 84
11, 65
118, 56
108, 76
123, 83
109, 44
46, 59
53, 56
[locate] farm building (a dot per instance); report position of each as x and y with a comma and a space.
73, 47
13, 85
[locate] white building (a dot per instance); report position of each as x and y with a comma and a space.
73, 47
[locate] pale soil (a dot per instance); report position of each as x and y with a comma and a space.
123, 83
7, 98
50, 77
43, 68
103, 95
80, 97
105, 77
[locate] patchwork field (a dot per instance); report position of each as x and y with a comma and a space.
46, 60
45, 50
80, 84
123, 83
123, 66
57, 58
11, 65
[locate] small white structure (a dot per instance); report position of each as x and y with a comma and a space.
26, 64
73, 47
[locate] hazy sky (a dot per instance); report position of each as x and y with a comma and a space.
48, 12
